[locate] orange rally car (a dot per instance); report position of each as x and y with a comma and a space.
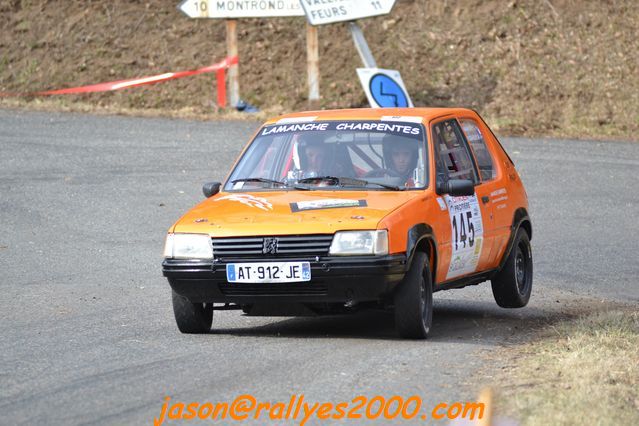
331, 211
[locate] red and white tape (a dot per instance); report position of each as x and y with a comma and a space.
219, 68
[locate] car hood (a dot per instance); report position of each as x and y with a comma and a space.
291, 212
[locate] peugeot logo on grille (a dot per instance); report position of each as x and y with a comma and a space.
269, 246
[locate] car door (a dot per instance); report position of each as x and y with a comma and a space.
492, 185
466, 248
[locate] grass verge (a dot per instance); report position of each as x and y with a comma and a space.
583, 371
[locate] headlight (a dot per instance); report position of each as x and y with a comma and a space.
188, 246
360, 242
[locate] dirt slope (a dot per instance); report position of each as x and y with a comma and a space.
553, 67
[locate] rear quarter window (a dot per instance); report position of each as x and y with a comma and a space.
478, 145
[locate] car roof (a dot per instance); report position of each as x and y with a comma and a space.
426, 114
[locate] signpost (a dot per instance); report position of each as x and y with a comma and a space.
384, 88
312, 66
231, 10
234, 71
361, 46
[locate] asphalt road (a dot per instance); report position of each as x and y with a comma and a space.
87, 331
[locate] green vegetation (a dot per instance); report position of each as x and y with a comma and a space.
584, 371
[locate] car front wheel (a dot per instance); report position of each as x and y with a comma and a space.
192, 318
414, 300
513, 284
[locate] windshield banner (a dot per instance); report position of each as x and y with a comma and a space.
406, 129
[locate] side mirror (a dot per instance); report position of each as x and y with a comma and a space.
456, 187
211, 188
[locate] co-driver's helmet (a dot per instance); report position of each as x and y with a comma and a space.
391, 142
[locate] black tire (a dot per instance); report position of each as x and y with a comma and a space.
192, 318
414, 300
513, 284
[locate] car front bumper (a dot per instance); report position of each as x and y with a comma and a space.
333, 280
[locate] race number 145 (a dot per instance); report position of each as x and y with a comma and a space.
464, 230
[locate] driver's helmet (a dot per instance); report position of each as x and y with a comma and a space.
313, 154
391, 143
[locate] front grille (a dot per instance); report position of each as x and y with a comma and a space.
275, 289
287, 246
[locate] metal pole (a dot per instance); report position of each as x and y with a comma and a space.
361, 45
312, 63
234, 72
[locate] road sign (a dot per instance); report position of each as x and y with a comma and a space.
229, 9
320, 12
384, 88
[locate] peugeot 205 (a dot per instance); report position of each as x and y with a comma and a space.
332, 211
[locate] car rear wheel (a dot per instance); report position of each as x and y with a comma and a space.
513, 284
414, 300
192, 317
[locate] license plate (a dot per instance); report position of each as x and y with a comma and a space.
268, 272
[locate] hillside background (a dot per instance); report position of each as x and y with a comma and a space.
542, 67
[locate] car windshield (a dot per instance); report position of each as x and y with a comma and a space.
381, 155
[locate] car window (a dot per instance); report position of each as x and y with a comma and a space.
378, 152
452, 155
478, 145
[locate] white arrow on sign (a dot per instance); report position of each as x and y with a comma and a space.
226, 9
320, 12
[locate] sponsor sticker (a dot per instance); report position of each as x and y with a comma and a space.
248, 200
405, 118
294, 120
442, 203
467, 234
326, 204
498, 192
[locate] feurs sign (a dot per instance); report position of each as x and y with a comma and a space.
325, 9
240, 8
321, 12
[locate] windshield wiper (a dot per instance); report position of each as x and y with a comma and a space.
333, 179
346, 181
271, 181
362, 182
383, 185
259, 179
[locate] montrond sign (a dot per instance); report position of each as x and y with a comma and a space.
229, 9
